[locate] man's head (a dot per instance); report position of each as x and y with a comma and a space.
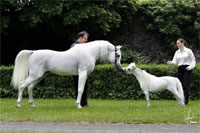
83, 37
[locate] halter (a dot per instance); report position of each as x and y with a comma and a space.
134, 68
125, 70
117, 57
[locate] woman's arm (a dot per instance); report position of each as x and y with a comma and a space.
174, 61
193, 61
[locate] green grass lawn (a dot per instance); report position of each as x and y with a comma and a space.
35, 132
101, 111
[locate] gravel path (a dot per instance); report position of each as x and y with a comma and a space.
98, 128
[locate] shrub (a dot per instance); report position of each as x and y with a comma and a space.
104, 83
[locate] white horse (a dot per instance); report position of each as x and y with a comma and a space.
150, 83
80, 60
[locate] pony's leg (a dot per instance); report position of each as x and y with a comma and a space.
180, 100
23, 85
177, 95
30, 92
81, 84
147, 98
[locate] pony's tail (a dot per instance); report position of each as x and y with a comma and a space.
20, 71
180, 88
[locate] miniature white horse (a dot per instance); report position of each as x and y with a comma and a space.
149, 83
80, 60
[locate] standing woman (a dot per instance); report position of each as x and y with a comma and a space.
185, 59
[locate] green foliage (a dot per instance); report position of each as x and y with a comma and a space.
103, 83
54, 24
172, 19
65, 18
133, 56
129, 55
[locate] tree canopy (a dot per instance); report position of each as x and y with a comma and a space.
65, 18
54, 24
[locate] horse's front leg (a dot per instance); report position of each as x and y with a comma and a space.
146, 92
81, 84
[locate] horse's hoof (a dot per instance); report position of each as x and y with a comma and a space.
18, 106
182, 105
79, 106
33, 106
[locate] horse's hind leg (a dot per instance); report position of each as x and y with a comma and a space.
23, 85
19, 99
30, 92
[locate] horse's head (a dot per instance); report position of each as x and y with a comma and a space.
115, 57
130, 68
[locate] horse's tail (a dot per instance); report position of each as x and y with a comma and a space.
21, 68
180, 88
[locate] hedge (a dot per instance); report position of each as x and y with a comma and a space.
104, 83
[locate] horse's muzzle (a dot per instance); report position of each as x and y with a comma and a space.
119, 68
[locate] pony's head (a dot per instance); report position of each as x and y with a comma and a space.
130, 68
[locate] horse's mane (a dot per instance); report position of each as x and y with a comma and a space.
104, 52
101, 45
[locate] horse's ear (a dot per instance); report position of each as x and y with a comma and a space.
133, 63
119, 47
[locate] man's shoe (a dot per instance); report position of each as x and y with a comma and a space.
186, 102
